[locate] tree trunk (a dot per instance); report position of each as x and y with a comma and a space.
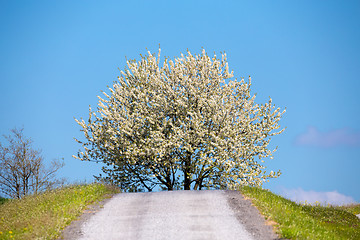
169, 184
187, 181
198, 183
187, 172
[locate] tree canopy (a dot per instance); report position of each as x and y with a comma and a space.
187, 123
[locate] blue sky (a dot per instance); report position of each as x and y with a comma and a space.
57, 56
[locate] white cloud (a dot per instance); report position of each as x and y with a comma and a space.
312, 197
339, 137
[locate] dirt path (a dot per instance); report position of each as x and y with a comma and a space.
207, 215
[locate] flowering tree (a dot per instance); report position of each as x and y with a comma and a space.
185, 124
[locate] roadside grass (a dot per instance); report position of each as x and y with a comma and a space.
298, 221
45, 215
352, 208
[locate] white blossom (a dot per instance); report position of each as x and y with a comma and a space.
187, 123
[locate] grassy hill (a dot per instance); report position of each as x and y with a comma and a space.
298, 221
46, 215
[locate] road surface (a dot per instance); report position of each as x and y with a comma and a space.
210, 214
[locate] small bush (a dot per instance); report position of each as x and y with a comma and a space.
3, 200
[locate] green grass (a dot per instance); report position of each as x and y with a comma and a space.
353, 208
297, 221
44, 216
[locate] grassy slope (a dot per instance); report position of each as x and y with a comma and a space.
296, 221
353, 208
45, 215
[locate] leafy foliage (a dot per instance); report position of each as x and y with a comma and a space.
184, 124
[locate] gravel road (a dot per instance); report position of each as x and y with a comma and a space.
210, 214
